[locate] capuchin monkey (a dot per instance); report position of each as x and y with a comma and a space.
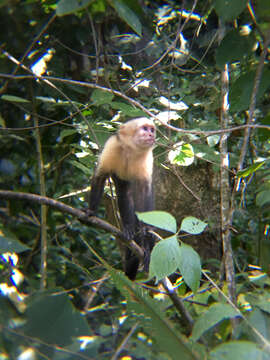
128, 159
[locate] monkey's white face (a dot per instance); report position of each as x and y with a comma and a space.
145, 135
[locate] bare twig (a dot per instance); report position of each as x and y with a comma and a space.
225, 190
253, 100
43, 210
178, 303
124, 341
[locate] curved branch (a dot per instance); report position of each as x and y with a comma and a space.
79, 214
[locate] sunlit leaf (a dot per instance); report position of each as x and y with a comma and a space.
182, 155
250, 170
159, 219
189, 264
192, 225
164, 258
13, 98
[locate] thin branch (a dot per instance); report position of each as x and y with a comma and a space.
79, 214
253, 100
136, 104
225, 190
178, 303
43, 210
124, 341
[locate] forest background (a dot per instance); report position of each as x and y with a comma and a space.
70, 73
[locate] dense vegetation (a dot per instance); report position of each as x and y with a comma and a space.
71, 72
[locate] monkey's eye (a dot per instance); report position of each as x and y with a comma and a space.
152, 129
145, 128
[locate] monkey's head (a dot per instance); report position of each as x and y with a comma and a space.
139, 134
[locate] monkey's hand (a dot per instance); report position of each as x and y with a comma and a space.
128, 233
90, 212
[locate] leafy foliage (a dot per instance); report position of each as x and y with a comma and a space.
71, 71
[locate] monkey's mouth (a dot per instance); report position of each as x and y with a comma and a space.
150, 141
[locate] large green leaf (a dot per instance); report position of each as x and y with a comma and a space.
128, 15
164, 258
159, 219
215, 314
237, 350
233, 48
241, 90
151, 315
260, 321
54, 320
189, 264
228, 10
100, 97
263, 198
65, 7
11, 244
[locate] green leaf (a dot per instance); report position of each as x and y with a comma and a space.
13, 98
242, 88
159, 219
65, 7
264, 134
164, 258
237, 350
54, 320
11, 244
264, 304
250, 170
101, 97
258, 319
82, 167
216, 313
127, 109
228, 10
189, 264
233, 48
67, 132
183, 155
151, 316
206, 152
192, 225
213, 140
263, 198
129, 16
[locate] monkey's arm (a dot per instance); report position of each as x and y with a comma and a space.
126, 206
97, 188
